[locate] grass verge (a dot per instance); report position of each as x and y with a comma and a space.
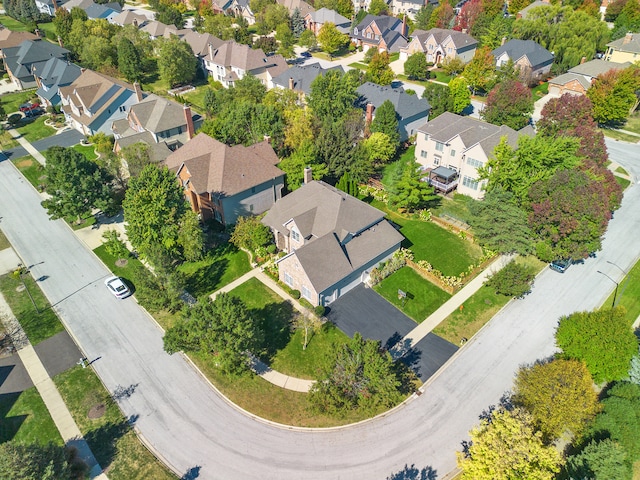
34, 129
478, 309
31, 169
125, 271
26, 420
617, 135
4, 243
109, 435
628, 293
37, 326
623, 182
423, 297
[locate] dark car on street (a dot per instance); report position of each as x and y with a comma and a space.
561, 265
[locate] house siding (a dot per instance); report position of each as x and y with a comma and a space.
289, 268
252, 203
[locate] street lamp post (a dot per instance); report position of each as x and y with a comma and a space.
615, 294
624, 278
21, 271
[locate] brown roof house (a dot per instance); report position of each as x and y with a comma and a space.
382, 32
332, 240
579, 78
94, 101
440, 43
223, 182
162, 124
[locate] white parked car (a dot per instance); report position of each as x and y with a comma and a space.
117, 287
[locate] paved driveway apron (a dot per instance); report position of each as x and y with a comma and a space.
363, 310
65, 139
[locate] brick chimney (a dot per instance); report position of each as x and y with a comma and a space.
504, 40
191, 131
55, 6
210, 52
405, 31
308, 175
291, 83
369, 114
627, 38
60, 41
138, 90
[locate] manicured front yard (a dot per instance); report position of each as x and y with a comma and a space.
89, 151
219, 267
26, 420
441, 76
37, 326
35, 129
126, 271
423, 297
11, 101
109, 435
31, 169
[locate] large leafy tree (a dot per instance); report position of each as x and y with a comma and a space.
614, 95
129, 60
439, 97
602, 339
509, 103
416, 67
335, 142
155, 212
409, 192
423, 17
223, 327
480, 72
386, 121
39, 462
559, 395
176, 61
460, 94
250, 233
294, 165
331, 39
333, 94
379, 148
569, 214
343, 7
357, 375
137, 156
536, 158
600, 460
468, 15
442, 16
379, 71
76, 185
507, 446
500, 224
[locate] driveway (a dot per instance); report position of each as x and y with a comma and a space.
365, 311
68, 138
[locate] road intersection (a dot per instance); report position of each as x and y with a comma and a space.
190, 425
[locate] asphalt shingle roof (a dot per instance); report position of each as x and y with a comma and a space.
21, 59
302, 76
406, 105
516, 49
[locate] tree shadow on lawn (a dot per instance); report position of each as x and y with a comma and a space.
275, 321
412, 473
103, 441
9, 426
204, 280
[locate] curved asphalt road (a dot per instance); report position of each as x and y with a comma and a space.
192, 426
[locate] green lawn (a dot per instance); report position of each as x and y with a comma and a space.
441, 76
38, 326
126, 271
196, 98
456, 207
617, 135
35, 129
110, 437
12, 24
628, 292
25, 419
12, 101
89, 151
4, 243
6, 140
219, 267
633, 123
540, 91
623, 182
622, 171
31, 169
478, 309
394, 56
423, 297
359, 65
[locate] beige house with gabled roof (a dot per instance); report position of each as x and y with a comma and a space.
439, 43
222, 182
579, 78
332, 240
625, 49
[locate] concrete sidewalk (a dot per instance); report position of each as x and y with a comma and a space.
58, 410
28, 147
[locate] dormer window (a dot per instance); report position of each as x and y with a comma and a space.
295, 236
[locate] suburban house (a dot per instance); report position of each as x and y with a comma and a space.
382, 32
408, 7
411, 111
162, 124
241, 8
579, 78
315, 20
533, 61
48, 7
55, 73
129, 17
231, 61
440, 43
202, 45
95, 11
94, 101
157, 29
537, 3
304, 7
30, 56
223, 182
299, 77
625, 49
332, 240
451, 148
9, 38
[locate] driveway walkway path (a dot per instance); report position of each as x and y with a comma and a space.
58, 410
28, 147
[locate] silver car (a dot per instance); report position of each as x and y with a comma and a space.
117, 287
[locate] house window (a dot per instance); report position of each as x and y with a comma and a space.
423, 154
377, 37
251, 208
453, 153
355, 31
253, 189
469, 182
436, 160
122, 109
295, 236
304, 291
440, 146
474, 163
288, 279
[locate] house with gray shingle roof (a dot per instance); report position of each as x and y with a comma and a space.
231, 61
129, 17
439, 44
223, 182
23, 60
453, 143
10, 39
315, 20
579, 78
411, 111
300, 77
625, 49
55, 73
156, 121
301, 5
382, 32
332, 240
533, 60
